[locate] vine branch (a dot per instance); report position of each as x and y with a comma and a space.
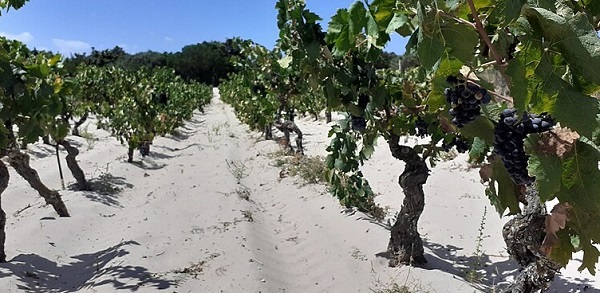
483, 33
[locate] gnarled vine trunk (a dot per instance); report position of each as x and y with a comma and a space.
406, 246
20, 162
78, 174
268, 132
130, 152
288, 127
79, 123
524, 235
4, 176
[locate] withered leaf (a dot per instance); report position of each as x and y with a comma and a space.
555, 221
558, 141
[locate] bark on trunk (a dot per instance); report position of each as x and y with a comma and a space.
20, 162
406, 246
4, 176
328, 116
524, 235
130, 154
268, 132
288, 127
78, 174
79, 123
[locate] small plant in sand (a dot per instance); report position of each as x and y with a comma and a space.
243, 193
248, 216
90, 138
104, 183
312, 170
473, 275
238, 169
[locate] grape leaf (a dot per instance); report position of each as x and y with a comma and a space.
547, 173
478, 149
558, 141
555, 221
398, 21
516, 72
572, 36
580, 182
506, 197
429, 44
460, 40
482, 127
357, 19
562, 251
569, 106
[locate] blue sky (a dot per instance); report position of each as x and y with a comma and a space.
69, 26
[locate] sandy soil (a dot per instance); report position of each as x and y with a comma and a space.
208, 211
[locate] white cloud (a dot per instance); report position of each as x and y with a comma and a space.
71, 46
24, 37
169, 39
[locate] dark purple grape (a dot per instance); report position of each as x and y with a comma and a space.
358, 123
465, 99
421, 127
508, 141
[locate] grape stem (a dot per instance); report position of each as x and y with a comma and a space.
505, 98
484, 34
457, 19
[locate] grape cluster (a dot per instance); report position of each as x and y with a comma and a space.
421, 127
508, 140
145, 149
358, 123
466, 99
461, 145
258, 89
163, 98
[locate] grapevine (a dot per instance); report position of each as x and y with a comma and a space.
483, 70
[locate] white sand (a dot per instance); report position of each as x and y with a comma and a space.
180, 223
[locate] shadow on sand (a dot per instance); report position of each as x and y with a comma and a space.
38, 274
105, 189
487, 274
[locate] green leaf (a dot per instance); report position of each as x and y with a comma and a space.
573, 37
430, 46
482, 128
367, 151
285, 61
506, 197
569, 106
478, 149
590, 258
546, 169
398, 21
429, 50
460, 40
516, 71
562, 252
580, 182
357, 19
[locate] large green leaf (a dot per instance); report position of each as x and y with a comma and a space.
507, 194
357, 19
546, 169
572, 108
580, 182
572, 36
430, 46
460, 40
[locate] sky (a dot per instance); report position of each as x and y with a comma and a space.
75, 26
